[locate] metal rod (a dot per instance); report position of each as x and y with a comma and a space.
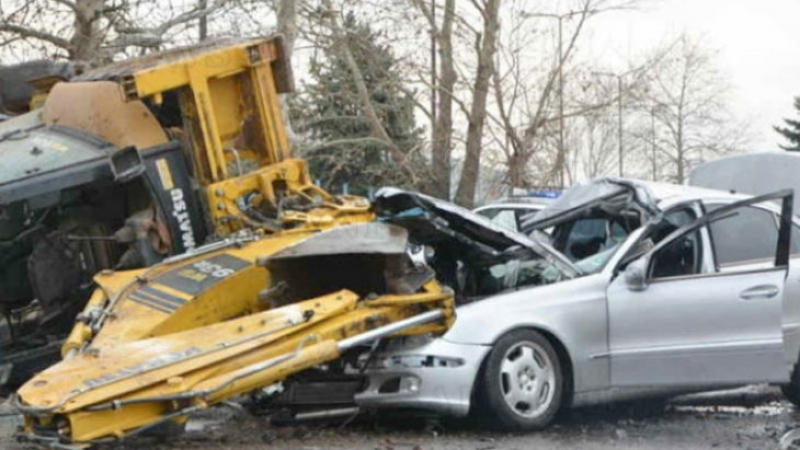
386, 330
337, 412
208, 248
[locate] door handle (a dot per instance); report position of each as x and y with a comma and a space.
762, 291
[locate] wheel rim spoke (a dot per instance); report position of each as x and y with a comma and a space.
541, 393
527, 357
513, 393
509, 367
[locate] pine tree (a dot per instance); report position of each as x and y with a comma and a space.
792, 131
329, 112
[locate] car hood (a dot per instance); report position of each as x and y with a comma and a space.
611, 194
430, 221
480, 323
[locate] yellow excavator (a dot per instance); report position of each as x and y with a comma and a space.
233, 274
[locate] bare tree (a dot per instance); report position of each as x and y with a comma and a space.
531, 105
598, 145
686, 108
94, 31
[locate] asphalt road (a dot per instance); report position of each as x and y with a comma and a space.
750, 418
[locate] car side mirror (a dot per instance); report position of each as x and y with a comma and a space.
636, 274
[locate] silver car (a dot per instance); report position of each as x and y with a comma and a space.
640, 289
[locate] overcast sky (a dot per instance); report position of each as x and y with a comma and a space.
758, 43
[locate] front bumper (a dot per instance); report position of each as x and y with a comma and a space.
436, 376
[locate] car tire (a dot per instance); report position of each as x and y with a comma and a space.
521, 384
791, 390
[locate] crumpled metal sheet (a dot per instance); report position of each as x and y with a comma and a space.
366, 238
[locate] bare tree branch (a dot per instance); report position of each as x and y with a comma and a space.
25, 32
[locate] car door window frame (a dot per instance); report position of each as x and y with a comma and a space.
782, 250
745, 262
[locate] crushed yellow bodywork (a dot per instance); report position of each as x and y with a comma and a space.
185, 335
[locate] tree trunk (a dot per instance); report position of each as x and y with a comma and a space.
287, 23
287, 26
441, 147
87, 39
202, 25
465, 194
680, 152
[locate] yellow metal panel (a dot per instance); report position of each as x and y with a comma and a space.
223, 62
232, 297
225, 94
208, 127
271, 114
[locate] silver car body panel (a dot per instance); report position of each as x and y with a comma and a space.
734, 173
446, 390
610, 365
663, 335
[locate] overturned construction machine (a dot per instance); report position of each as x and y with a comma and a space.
170, 178
129, 164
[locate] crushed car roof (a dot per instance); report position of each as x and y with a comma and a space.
650, 196
610, 193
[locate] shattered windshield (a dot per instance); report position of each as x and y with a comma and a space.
598, 261
528, 269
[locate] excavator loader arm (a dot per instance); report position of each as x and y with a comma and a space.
156, 345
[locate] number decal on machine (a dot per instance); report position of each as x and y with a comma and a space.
156, 299
198, 276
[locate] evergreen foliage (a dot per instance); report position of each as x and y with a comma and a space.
791, 132
329, 114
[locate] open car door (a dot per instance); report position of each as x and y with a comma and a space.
709, 327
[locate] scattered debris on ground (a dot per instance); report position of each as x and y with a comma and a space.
749, 418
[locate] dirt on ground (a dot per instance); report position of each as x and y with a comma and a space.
749, 418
